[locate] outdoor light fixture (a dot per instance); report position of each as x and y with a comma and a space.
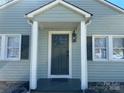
74, 37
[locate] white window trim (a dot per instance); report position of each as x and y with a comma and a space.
109, 49
93, 48
4, 47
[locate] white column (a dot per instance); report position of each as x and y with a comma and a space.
84, 78
33, 65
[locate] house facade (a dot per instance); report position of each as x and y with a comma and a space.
82, 39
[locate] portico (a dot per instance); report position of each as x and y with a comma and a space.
57, 21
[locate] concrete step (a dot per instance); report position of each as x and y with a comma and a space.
54, 92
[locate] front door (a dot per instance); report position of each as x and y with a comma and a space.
59, 55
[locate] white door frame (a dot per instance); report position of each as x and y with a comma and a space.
49, 54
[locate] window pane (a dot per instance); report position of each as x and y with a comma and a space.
12, 53
13, 42
118, 48
100, 42
0, 46
100, 53
118, 54
100, 48
118, 42
13, 46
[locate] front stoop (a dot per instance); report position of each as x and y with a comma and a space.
58, 86
55, 92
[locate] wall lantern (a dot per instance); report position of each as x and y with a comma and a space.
74, 37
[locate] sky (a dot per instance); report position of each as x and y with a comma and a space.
118, 2
3, 1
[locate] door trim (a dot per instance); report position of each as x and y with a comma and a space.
49, 54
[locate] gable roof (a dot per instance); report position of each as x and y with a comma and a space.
112, 5
8, 4
56, 2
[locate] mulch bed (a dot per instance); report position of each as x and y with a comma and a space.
105, 87
14, 87
94, 87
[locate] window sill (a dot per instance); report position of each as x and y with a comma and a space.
117, 60
102, 60
108, 61
8, 60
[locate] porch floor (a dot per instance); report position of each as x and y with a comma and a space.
58, 85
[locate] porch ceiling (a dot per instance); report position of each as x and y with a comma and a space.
59, 25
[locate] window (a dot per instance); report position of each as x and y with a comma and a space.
13, 47
118, 48
100, 48
10, 46
109, 47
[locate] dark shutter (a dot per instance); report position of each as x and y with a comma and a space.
25, 47
89, 47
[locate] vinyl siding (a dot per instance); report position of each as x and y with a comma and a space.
59, 13
76, 57
95, 7
43, 54
12, 21
14, 71
105, 71
107, 25
97, 71
104, 21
